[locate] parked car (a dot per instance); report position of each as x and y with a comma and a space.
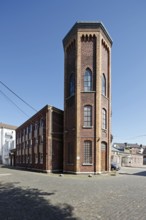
115, 166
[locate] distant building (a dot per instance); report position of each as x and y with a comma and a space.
39, 141
7, 142
127, 154
130, 147
87, 98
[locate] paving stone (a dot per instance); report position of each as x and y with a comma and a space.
28, 195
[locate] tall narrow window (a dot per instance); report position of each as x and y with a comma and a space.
87, 152
87, 80
103, 85
104, 119
36, 158
87, 116
41, 122
41, 158
30, 128
72, 85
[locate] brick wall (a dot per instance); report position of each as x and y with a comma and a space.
86, 47
34, 150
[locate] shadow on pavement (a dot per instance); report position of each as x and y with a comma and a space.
29, 204
142, 173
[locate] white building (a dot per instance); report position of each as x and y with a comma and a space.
7, 142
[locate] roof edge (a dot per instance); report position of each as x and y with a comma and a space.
7, 126
87, 24
46, 107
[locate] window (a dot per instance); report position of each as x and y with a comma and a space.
30, 128
36, 158
30, 131
41, 127
41, 139
104, 119
103, 146
26, 130
36, 125
30, 159
87, 80
87, 116
27, 159
103, 85
36, 129
36, 141
41, 158
72, 85
41, 122
87, 152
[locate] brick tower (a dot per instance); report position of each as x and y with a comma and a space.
87, 98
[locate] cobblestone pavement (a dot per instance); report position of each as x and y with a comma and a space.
28, 195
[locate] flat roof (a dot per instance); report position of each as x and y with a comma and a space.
87, 25
39, 113
7, 126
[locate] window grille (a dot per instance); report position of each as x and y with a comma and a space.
87, 80
87, 116
104, 119
87, 152
103, 85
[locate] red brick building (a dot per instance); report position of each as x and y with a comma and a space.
85, 145
39, 141
87, 98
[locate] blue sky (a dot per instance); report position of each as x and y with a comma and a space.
32, 57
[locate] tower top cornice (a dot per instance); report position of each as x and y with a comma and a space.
80, 25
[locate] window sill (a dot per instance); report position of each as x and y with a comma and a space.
88, 127
87, 164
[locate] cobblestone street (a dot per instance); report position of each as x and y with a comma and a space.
28, 195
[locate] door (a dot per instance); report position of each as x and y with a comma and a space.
103, 156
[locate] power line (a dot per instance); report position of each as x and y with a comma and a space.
129, 138
18, 96
142, 135
32, 121
13, 103
20, 99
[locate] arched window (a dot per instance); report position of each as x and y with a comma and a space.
103, 85
87, 80
87, 116
104, 119
72, 85
87, 152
